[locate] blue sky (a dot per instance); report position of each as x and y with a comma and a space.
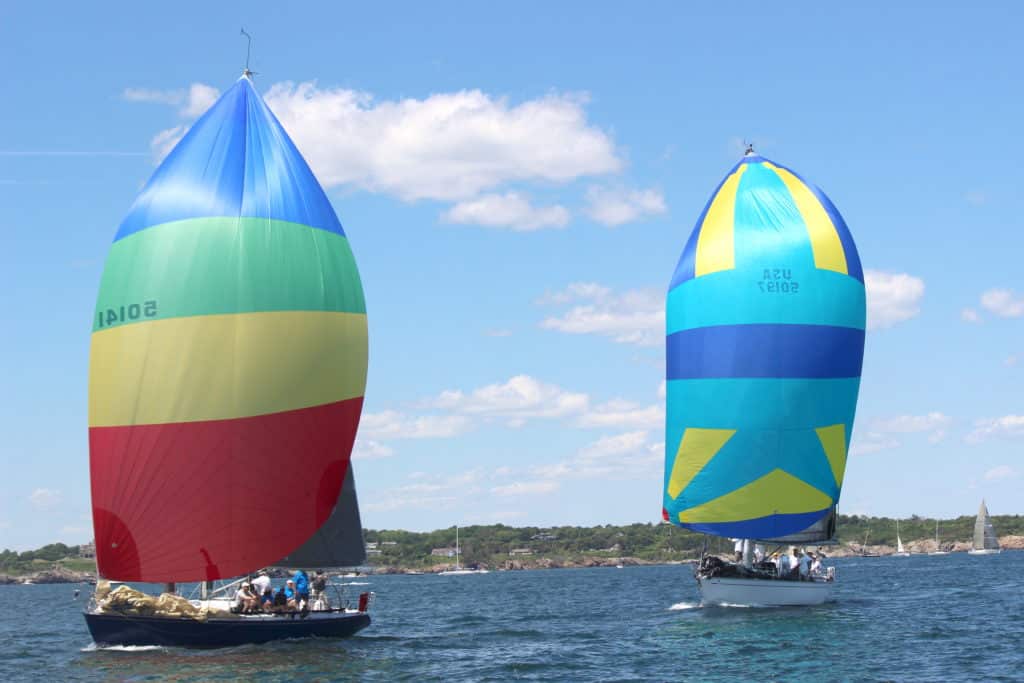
517, 182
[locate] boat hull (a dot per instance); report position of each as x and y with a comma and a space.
985, 551
118, 629
728, 591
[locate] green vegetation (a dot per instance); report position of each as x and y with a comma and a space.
17, 564
492, 544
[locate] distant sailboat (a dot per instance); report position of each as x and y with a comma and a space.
938, 546
900, 550
765, 341
459, 569
985, 540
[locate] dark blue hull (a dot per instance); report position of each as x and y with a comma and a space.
117, 629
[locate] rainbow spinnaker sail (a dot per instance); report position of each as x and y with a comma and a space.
765, 339
228, 360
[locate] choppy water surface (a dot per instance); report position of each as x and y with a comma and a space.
953, 617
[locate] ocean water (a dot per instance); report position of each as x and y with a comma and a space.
946, 618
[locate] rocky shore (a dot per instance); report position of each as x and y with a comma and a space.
56, 574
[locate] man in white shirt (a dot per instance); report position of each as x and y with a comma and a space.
783, 565
805, 567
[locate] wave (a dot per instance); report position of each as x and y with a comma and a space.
93, 647
685, 605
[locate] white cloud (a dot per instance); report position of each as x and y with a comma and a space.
526, 488
615, 206
447, 146
630, 455
520, 397
498, 333
865, 443
427, 491
164, 141
368, 449
510, 210
1011, 360
663, 389
1008, 426
633, 317
1003, 302
45, 499
911, 424
619, 413
969, 315
391, 424
191, 102
1000, 472
892, 298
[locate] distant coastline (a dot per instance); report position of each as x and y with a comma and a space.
500, 547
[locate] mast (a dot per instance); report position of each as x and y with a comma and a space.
457, 565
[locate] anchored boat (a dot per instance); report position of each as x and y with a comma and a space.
985, 541
765, 340
227, 372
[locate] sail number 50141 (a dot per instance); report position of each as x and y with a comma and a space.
126, 313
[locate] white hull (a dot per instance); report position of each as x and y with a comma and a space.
762, 592
939, 552
903, 554
985, 551
460, 572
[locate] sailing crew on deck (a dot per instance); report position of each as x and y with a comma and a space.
758, 553
783, 565
262, 582
738, 549
816, 564
301, 584
805, 566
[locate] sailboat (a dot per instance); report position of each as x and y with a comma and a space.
985, 540
227, 371
765, 340
900, 550
459, 570
938, 546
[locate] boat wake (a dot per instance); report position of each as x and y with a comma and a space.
685, 605
93, 647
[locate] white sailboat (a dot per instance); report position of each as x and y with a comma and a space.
985, 541
459, 569
938, 547
900, 550
764, 348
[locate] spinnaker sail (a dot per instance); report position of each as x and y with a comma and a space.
765, 340
228, 358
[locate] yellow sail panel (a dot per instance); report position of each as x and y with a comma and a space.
696, 448
825, 243
776, 493
239, 365
715, 244
833, 440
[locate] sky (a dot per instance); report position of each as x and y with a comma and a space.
517, 181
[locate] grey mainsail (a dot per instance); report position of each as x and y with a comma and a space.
821, 532
984, 533
339, 542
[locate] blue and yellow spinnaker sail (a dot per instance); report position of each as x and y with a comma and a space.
765, 339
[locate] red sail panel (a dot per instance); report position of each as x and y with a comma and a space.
212, 499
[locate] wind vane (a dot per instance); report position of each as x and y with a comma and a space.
248, 50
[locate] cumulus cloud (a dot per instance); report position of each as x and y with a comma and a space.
191, 102
1007, 426
892, 298
969, 315
368, 449
391, 424
510, 210
628, 455
934, 424
865, 443
620, 413
632, 317
518, 398
1003, 302
447, 146
526, 488
45, 499
615, 206
1000, 472
426, 491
